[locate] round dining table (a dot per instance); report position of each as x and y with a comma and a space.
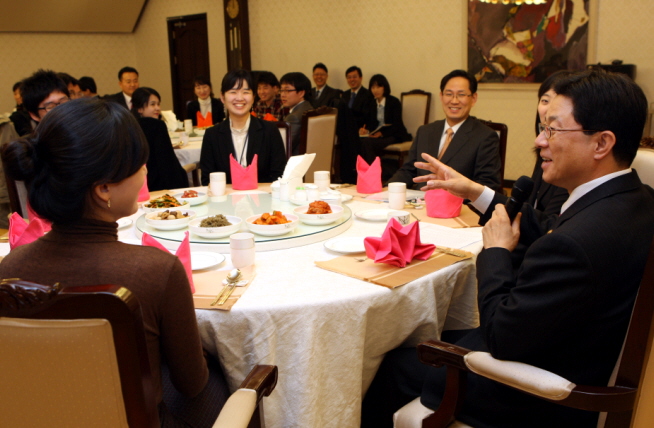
328, 332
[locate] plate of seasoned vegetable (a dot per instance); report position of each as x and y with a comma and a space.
163, 203
213, 227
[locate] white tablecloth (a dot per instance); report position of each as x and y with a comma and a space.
327, 332
189, 153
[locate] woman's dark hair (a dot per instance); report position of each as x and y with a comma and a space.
141, 98
380, 80
548, 84
77, 146
236, 78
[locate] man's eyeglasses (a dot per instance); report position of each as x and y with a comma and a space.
460, 96
286, 91
549, 131
49, 106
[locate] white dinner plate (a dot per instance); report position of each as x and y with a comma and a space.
204, 259
124, 222
250, 192
347, 245
344, 198
379, 214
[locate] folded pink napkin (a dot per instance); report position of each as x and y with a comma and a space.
244, 178
32, 216
398, 245
369, 177
183, 253
21, 233
442, 204
144, 193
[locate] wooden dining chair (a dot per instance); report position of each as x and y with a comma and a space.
285, 131
618, 400
415, 113
503, 133
318, 136
644, 165
77, 357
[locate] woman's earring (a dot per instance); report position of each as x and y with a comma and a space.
108, 203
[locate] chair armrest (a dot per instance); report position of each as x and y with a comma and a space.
529, 379
238, 410
261, 379
190, 166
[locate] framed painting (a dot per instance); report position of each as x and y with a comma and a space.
526, 43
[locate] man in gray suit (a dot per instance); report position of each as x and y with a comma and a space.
323, 94
296, 96
460, 141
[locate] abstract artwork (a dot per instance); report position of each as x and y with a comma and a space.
526, 43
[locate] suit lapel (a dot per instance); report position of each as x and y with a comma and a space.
458, 140
619, 184
255, 139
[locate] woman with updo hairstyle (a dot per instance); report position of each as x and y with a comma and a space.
164, 169
83, 167
205, 110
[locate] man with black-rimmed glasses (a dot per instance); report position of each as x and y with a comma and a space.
42, 92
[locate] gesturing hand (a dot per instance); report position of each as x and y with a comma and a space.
444, 177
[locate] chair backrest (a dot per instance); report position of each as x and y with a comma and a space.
76, 355
637, 345
318, 136
285, 131
502, 132
415, 109
644, 165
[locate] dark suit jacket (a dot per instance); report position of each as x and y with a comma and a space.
264, 140
217, 111
22, 121
295, 119
565, 310
474, 152
116, 98
360, 107
328, 97
164, 169
392, 117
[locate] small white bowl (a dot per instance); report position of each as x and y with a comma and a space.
215, 232
318, 219
179, 223
200, 199
272, 229
184, 206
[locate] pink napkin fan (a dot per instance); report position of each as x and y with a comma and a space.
244, 178
398, 245
144, 193
369, 177
442, 204
183, 253
21, 233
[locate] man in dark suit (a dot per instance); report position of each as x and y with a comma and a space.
296, 96
353, 113
473, 148
323, 94
128, 80
567, 307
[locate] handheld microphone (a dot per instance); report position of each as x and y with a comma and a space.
521, 191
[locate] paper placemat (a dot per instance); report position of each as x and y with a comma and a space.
388, 275
208, 284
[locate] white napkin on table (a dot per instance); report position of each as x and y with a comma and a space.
297, 166
170, 119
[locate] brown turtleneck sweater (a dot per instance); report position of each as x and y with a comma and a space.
88, 253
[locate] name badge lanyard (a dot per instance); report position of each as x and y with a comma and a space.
243, 151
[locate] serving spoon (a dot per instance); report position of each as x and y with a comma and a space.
232, 278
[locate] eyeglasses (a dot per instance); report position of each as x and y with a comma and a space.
49, 106
549, 131
459, 96
286, 91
